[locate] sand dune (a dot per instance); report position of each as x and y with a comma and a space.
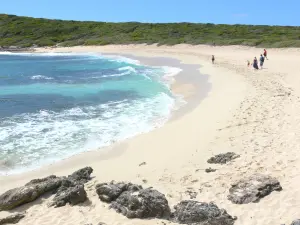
253, 113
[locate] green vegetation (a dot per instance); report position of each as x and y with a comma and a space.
27, 32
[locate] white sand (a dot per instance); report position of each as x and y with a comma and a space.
248, 112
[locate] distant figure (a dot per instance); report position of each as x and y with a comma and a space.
265, 53
261, 61
248, 63
255, 65
213, 59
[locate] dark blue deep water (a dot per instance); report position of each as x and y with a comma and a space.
53, 106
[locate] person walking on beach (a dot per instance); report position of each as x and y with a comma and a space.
255, 65
261, 61
265, 54
213, 59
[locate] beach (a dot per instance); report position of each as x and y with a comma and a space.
252, 113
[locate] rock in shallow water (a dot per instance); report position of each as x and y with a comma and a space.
37, 187
201, 213
12, 219
253, 188
133, 201
223, 158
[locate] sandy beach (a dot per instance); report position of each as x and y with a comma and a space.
255, 114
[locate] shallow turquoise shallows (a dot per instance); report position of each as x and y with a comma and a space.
53, 106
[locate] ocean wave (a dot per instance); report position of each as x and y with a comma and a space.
40, 77
128, 68
34, 139
119, 58
171, 71
46, 136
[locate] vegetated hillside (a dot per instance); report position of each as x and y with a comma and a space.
26, 32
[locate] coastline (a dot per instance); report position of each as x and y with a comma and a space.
190, 81
251, 113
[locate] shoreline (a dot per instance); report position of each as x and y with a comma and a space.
252, 113
190, 84
192, 87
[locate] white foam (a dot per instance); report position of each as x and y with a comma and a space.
115, 75
171, 71
119, 58
46, 137
127, 68
40, 77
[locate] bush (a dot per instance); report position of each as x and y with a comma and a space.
26, 31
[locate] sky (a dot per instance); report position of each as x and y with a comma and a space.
267, 12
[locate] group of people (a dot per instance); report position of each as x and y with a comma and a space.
255, 61
261, 60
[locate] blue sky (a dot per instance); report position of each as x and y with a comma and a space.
271, 12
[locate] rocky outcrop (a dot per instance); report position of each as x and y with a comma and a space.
253, 188
133, 201
110, 192
81, 176
72, 195
37, 187
296, 222
28, 193
223, 158
201, 213
12, 219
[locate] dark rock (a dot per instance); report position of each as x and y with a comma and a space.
192, 194
12, 219
296, 222
37, 187
28, 193
133, 201
110, 192
71, 195
201, 213
253, 188
210, 170
145, 203
223, 158
142, 164
81, 176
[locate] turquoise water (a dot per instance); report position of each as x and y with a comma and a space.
53, 106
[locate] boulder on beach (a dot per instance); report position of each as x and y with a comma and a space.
72, 195
223, 158
201, 213
37, 187
210, 170
253, 188
296, 222
133, 201
109, 192
12, 219
28, 193
81, 176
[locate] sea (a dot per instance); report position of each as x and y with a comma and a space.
56, 105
